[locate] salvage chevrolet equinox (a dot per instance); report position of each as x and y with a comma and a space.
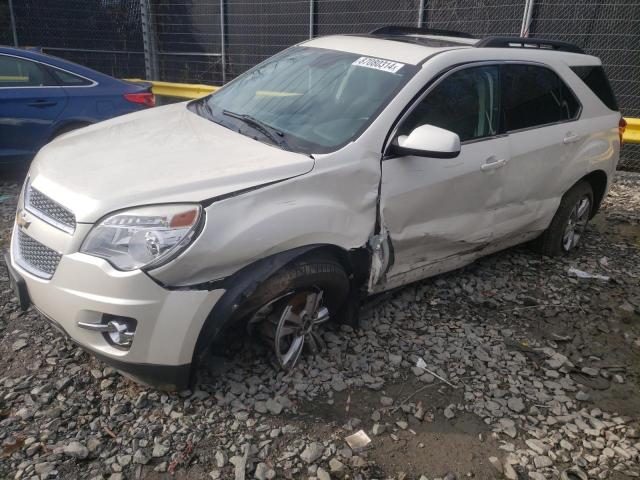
341, 167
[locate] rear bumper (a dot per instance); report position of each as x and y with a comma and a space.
168, 322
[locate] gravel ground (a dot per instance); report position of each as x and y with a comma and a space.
510, 367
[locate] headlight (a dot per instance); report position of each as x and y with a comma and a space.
143, 237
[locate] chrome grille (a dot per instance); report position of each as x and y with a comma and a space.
35, 257
50, 211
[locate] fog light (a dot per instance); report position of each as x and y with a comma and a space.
119, 333
118, 330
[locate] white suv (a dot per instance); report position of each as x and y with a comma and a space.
341, 167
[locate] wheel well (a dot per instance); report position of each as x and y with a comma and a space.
356, 262
67, 127
598, 181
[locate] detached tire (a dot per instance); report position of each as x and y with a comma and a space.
287, 308
569, 222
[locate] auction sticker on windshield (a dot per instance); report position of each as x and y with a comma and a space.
378, 64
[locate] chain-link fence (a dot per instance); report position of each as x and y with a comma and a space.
213, 41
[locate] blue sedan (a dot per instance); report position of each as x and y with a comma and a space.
42, 97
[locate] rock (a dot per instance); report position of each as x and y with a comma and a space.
386, 401
449, 412
141, 456
427, 378
76, 450
542, 461
94, 445
482, 355
336, 466
509, 472
312, 452
536, 445
240, 462
496, 463
508, 426
322, 474
402, 424
592, 372
395, 359
19, 344
274, 407
159, 450
536, 476
220, 459
263, 472
516, 404
378, 429
44, 468
582, 396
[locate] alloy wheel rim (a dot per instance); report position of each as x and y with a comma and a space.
576, 223
290, 323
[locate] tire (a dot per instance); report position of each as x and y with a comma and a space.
554, 240
296, 299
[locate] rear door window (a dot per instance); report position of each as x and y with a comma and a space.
18, 72
535, 96
597, 81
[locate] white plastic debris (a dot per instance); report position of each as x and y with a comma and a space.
604, 261
583, 274
421, 363
358, 440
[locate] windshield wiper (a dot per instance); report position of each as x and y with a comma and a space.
267, 130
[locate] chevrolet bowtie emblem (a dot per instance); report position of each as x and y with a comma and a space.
21, 219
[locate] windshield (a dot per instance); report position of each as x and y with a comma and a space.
305, 99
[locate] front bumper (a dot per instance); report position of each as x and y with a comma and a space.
84, 288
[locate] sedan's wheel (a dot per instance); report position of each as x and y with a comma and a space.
288, 310
576, 223
568, 224
290, 324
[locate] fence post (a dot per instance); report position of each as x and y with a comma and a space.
149, 41
223, 41
526, 18
312, 18
14, 31
421, 14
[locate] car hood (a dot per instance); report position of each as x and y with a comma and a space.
160, 155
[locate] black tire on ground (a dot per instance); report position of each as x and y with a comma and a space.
550, 242
315, 270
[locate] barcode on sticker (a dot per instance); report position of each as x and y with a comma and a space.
378, 64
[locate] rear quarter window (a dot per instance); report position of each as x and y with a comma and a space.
535, 96
69, 79
597, 81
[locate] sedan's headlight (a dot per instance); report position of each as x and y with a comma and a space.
143, 237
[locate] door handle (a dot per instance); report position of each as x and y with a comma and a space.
42, 103
493, 165
570, 138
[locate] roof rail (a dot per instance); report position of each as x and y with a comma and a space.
522, 42
394, 30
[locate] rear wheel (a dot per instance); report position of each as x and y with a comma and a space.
567, 227
288, 311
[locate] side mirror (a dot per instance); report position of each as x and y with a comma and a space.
428, 141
